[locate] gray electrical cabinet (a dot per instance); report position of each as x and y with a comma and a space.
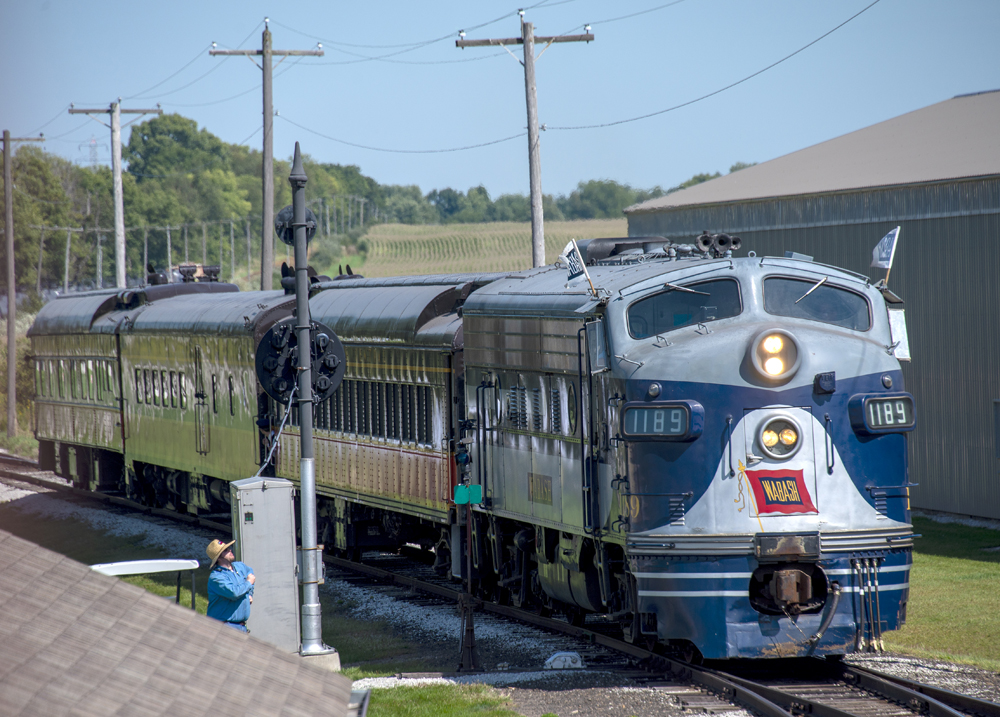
264, 529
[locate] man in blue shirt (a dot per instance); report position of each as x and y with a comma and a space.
230, 586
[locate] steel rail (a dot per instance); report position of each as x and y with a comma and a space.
715, 682
921, 699
934, 698
793, 703
764, 700
10, 472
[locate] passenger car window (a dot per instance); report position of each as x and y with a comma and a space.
826, 303
683, 306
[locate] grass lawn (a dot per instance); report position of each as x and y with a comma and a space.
953, 615
954, 608
368, 649
440, 701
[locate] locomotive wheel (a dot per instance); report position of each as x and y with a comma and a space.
542, 610
575, 616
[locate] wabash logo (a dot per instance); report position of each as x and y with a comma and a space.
780, 492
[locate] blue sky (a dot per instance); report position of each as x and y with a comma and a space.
425, 94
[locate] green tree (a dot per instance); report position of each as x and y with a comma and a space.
602, 199
447, 201
170, 144
475, 207
513, 208
407, 205
39, 199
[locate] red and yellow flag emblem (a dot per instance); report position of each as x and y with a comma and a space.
780, 492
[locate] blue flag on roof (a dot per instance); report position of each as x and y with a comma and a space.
885, 250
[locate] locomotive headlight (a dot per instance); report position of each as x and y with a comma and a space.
779, 437
775, 354
774, 366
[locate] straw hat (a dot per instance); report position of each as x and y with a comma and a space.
217, 549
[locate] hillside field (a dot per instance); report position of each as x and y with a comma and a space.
403, 249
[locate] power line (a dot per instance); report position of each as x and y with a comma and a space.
720, 90
250, 136
527, 39
116, 111
213, 102
401, 151
58, 115
409, 47
60, 136
636, 14
266, 53
407, 62
238, 94
419, 43
194, 81
139, 95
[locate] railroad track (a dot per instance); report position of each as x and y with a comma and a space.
779, 688
829, 689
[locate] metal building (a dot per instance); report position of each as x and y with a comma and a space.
936, 173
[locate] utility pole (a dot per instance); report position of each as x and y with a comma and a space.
528, 39
116, 112
8, 206
266, 53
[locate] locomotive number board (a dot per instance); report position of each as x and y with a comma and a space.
674, 421
882, 413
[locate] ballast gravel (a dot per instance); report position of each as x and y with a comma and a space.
519, 650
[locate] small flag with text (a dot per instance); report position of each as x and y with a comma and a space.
885, 250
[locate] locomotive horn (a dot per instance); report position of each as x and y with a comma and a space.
704, 242
721, 243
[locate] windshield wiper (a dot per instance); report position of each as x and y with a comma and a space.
815, 286
684, 288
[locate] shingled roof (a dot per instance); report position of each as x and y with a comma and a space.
73, 641
954, 139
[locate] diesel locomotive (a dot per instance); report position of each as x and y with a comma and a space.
709, 450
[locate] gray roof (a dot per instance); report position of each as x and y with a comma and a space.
953, 139
73, 641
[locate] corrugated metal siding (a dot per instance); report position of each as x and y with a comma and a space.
896, 204
947, 269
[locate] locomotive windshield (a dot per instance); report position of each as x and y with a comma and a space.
680, 306
816, 301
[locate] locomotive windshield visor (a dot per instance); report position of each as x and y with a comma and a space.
680, 306
816, 301
662, 421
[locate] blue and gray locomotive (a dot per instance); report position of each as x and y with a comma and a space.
708, 450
